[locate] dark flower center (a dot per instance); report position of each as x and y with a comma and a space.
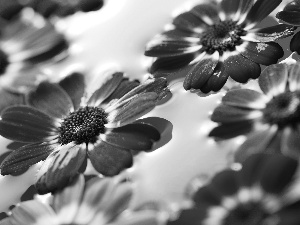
283, 109
222, 36
3, 62
246, 214
83, 126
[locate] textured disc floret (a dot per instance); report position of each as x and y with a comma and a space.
83, 126
283, 109
222, 36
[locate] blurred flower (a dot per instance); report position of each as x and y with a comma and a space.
265, 191
217, 41
98, 201
291, 15
63, 126
272, 117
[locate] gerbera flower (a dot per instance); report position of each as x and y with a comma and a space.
98, 201
264, 191
272, 118
291, 15
62, 127
218, 41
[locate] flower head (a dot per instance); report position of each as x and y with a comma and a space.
98, 201
272, 118
218, 41
264, 191
291, 15
63, 126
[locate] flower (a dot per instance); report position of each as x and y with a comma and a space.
272, 118
291, 15
98, 201
63, 126
217, 41
265, 191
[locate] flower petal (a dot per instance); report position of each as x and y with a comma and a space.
21, 159
60, 168
231, 130
106, 89
290, 142
244, 7
145, 217
33, 212
273, 33
201, 72
74, 86
295, 43
230, 7
273, 79
10, 98
227, 114
134, 109
294, 78
262, 53
261, 9
50, 99
289, 17
67, 201
207, 196
225, 183
257, 142
241, 69
109, 160
209, 13
135, 136
26, 124
189, 22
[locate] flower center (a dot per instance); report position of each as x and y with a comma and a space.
222, 36
246, 214
3, 62
283, 109
83, 126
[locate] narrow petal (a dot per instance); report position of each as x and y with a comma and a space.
50, 99
231, 130
26, 124
134, 109
257, 142
289, 17
33, 212
136, 136
273, 79
244, 98
209, 13
277, 174
67, 201
244, 7
227, 114
261, 9
241, 69
230, 7
60, 168
294, 77
201, 72
109, 160
262, 53
273, 33
74, 86
295, 43
106, 89
189, 22
21, 159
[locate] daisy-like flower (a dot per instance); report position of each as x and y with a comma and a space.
272, 118
218, 41
291, 16
264, 192
98, 201
63, 126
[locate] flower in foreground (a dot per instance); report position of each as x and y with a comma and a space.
98, 201
272, 118
218, 41
63, 126
264, 192
291, 15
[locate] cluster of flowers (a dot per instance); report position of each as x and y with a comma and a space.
64, 124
